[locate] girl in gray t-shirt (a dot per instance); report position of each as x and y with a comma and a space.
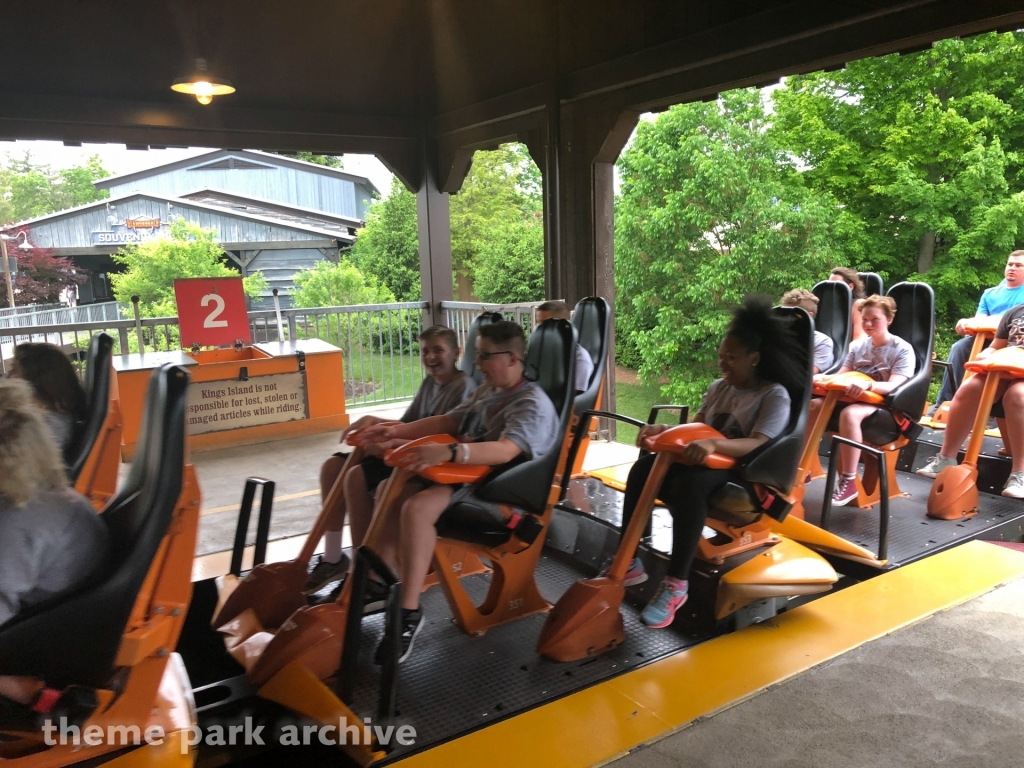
51, 540
761, 359
889, 361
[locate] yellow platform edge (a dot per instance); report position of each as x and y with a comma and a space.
608, 720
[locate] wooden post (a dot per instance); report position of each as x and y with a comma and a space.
435, 239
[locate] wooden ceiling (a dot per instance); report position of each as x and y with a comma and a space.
390, 76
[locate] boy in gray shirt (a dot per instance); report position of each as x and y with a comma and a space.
508, 419
444, 387
824, 351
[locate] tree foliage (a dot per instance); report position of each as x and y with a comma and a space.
710, 210
337, 285
152, 267
387, 247
41, 276
28, 189
507, 265
927, 151
502, 189
496, 230
331, 161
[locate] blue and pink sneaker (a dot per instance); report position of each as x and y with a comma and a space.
636, 574
670, 597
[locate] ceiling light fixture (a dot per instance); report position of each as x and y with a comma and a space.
202, 84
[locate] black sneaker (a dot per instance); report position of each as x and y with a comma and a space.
373, 601
376, 594
412, 623
324, 572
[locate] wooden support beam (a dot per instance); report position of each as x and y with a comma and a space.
435, 240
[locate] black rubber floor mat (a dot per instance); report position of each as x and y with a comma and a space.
912, 534
453, 683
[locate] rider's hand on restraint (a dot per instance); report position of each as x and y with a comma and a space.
363, 423
649, 430
423, 456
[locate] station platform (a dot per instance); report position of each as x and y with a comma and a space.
294, 465
921, 664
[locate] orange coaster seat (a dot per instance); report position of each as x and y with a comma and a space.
111, 642
587, 621
525, 494
954, 493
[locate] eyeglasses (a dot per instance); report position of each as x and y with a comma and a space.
483, 357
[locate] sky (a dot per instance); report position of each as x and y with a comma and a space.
117, 159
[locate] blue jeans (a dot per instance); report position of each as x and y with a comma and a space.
958, 355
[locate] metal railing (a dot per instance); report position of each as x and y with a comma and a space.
378, 341
460, 314
55, 314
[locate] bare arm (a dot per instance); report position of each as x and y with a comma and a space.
490, 454
432, 425
885, 387
996, 344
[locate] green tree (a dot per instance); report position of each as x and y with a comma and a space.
927, 152
331, 161
28, 189
510, 263
499, 206
152, 267
337, 285
502, 189
387, 247
710, 210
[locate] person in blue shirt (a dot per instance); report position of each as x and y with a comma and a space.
994, 301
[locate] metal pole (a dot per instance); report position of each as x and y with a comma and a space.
7, 274
138, 327
280, 327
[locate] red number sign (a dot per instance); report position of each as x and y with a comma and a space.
211, 311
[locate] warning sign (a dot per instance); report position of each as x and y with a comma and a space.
214, 406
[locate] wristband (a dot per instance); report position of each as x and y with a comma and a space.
453, 450
465, 453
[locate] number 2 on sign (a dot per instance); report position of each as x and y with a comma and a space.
211, 319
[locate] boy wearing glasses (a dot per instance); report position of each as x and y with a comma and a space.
444, 387
508, 419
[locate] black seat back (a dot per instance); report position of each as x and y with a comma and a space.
915, 323
835, 301
73, 640
775, 463
552, 355
873, 284
469, 351
592, 319
97, 395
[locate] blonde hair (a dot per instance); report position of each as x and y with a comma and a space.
885, 303
801, 297
30, 462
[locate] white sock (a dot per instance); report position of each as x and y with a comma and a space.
332, 546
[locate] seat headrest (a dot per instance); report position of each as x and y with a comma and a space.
551, 357
835, 300
545, 360
873, 284
774, 464
592, 320
915, 318
97, 394
469, 351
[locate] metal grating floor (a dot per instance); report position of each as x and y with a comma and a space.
912, 535
453, 683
